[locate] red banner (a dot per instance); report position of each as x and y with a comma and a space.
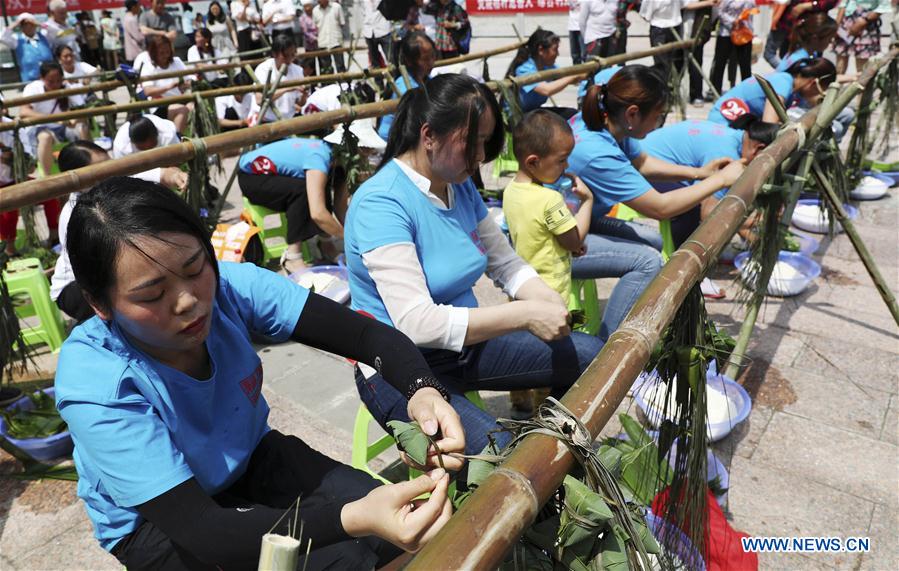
39, 7
476, 7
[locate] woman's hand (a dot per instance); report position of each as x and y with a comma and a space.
547, 320
731, 173
391, 512
712, 167
434, 415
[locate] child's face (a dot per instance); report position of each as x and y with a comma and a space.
549, 168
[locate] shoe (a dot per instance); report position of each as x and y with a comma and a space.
710, 290
698, 102
709, 97
288, 257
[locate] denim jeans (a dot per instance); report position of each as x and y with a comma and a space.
619, 249
513, 361
774, 47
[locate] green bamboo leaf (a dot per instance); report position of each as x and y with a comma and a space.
411, 440
613, 556
585, 514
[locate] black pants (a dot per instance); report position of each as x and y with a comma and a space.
324, 63
245, 42
282, 194
281, 469
602, 47
675, 59
723, 51
71, 301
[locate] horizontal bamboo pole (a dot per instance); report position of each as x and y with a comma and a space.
234, 90
480, 534
31, 192
191, 70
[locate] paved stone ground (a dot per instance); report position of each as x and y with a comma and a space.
816, 457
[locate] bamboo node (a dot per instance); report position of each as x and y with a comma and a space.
736, 198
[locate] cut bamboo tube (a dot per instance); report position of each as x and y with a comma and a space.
279, 553
480, 534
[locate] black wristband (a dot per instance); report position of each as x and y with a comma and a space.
428, 381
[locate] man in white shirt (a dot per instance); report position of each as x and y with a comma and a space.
377, 31
59, 32
278, 16
285, 99
665, 18
328, 18
145, 132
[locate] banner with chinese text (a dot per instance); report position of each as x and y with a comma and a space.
476, 7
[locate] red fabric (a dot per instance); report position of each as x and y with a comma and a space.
725, 548
9, 219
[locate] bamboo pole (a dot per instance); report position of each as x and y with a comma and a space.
278, 553
30, 192
191, 70
480, 534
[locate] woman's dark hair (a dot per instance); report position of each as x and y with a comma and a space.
207, 35
813, 26
77, 154
819, 68
758, 130
447, 103
242, 78
48, 66
631, 85
410, 49
221, 17
281, 43
142, 129
57, 52
540, 39
114, 214
154, 43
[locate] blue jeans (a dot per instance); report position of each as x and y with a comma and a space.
619, 249
513, 361
775, 47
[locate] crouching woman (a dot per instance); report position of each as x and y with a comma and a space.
161, 390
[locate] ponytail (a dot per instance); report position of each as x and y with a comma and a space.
631, 85
539, 39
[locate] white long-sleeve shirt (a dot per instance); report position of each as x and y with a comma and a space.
374, 24
328, 21
597, 19
401, 282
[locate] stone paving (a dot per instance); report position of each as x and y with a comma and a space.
816, 457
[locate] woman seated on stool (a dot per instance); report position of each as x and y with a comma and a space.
235, 111
539, 54
145, 132
418, 237
162, 60
162, 392
608, 157
294, 176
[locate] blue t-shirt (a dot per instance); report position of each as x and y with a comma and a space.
389, 209
748, 97
30, 53
288, 157
605, 166
141, 428
693, 143
529, 98
601, 78
387, 120
792, 58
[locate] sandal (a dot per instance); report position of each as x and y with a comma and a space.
291, 257
710, 290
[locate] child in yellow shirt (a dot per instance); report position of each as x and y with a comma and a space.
544, 231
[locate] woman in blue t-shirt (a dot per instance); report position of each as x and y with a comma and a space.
806, 80
811, 35
608, 157
300, 178
538, 54
418, 53
162, 392
418, 238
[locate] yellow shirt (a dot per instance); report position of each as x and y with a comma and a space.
536, 215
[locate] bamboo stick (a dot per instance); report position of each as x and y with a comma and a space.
480, 534
58, 185
191, 70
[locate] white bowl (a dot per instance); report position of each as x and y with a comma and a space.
870, 188
792, 275
808, 216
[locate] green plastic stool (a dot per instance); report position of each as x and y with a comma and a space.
272, 229
505, 163
363, 452
27, 277
626, 213
583, 297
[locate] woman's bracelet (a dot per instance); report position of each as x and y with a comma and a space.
427, 382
